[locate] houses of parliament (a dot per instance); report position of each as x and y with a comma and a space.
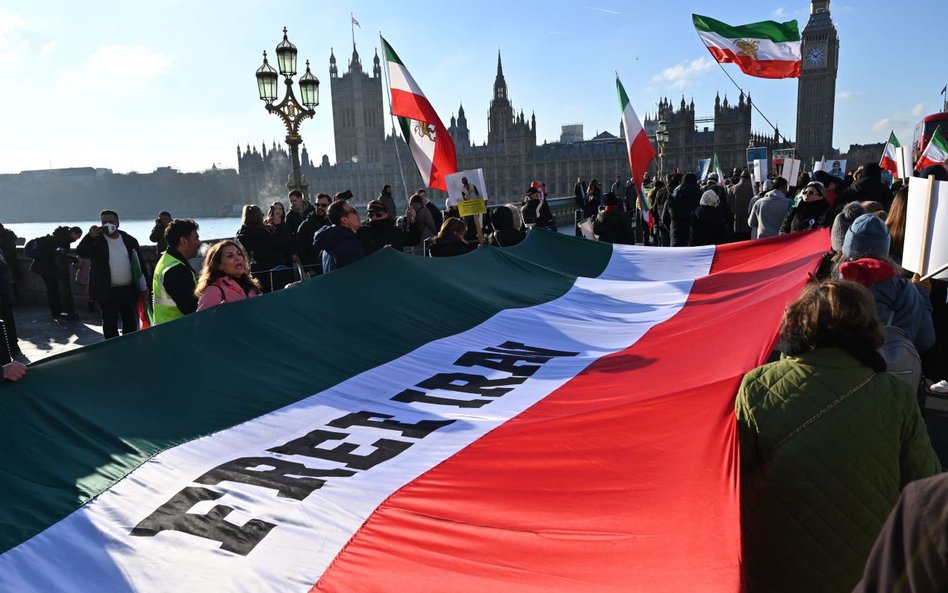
368, 158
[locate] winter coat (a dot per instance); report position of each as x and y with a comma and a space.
909, 306
806, 216
767, 214
681, 204
309, 255
738, 198
264, 247
424, 223
867, 189
614, 226
451, 246
100, 272
376, 234
504, 234
340, 247
294, 219
44, 264
709, 226
436, 215
811, 510
225, 290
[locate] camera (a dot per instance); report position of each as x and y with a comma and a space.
346, 195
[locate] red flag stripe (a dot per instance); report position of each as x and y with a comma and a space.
761, 68
623, 479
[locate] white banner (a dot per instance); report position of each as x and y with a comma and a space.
936, 256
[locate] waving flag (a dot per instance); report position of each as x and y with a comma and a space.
766, 49
641, 151
936, 153
563, 423
430, 144
890, 159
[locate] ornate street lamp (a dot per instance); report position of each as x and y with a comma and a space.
661, 137
290, 110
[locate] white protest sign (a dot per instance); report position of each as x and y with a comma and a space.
476, 188
903, 161
759, 170
936, 255
791, 171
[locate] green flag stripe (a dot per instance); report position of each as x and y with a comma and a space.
623, 97
772, 30
122, 398
390, 54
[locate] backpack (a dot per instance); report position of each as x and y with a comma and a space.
33, 247
902, 359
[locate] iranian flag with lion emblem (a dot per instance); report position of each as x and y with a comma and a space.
430, 144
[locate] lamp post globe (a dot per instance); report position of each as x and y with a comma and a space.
290, 110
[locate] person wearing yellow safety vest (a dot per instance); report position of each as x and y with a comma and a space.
174, 279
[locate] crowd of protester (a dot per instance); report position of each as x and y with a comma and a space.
831, 430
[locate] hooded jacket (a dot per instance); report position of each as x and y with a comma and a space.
869, 188
909, 306
340, 247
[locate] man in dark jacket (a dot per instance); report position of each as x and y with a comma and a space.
738, 199
50, 264
579, 192
157, 235
869, 188
681, 204
435, 212
380, 230
388, 198
306, 233
338, 241
115, 277
612, 224
299, 210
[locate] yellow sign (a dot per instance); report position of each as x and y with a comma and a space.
470, 207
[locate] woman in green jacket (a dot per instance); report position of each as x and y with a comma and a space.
828, 440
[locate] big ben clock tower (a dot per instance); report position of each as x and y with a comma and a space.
816, 89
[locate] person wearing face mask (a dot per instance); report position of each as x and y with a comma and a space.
115, 276
810, 211
225, 277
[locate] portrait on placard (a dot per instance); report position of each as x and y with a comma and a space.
466, 185
835, 167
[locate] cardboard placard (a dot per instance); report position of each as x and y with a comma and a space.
935, 255
471, 207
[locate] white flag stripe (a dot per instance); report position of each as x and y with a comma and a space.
787, 51
92, 550
632, 125
400, 79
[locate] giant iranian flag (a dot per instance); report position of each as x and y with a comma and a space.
428, 140
767, 49
641, 151
936, 153
557, 416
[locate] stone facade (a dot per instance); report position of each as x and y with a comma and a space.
368, 158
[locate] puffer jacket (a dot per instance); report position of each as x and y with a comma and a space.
811, 512
225, 290
908, 306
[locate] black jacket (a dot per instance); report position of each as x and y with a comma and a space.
451, 246
504, 234
709, 226
294, 219
100, 273
614, 226
435, 214
376, 234
681, 204
305, 235
867, 189
264, 247
179, 284
44, 263
340, 247
806, 216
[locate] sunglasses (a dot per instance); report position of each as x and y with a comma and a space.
812, 192
318, 205
377, 214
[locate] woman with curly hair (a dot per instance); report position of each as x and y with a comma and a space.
225, 277
828, 439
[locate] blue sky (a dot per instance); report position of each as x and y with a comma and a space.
136, 85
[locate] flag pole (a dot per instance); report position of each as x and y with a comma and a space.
754, 105
388, 87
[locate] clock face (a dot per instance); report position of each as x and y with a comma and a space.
815, 56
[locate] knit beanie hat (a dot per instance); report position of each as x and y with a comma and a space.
867, 237
710, 198
843, 221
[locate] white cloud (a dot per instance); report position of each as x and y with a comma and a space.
780, 13
682, 75
919, 109
48, 48
846, 95
883, 124
12, 44
113, 65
